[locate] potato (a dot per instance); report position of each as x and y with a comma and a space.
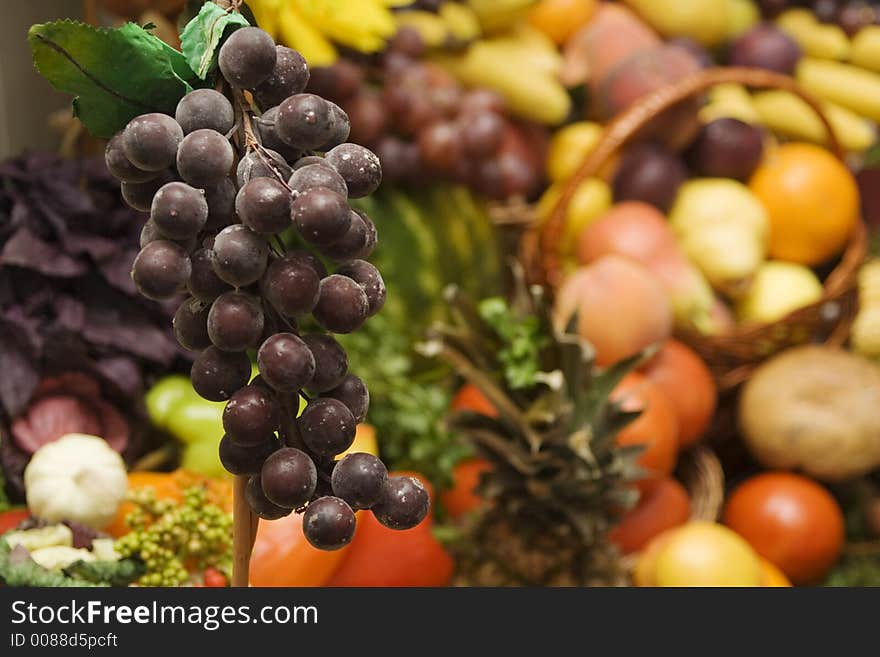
814, 409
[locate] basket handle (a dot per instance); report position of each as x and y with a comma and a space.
627, 124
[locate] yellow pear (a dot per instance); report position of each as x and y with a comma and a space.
723, 228
777, 289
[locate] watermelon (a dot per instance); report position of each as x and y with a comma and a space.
430, 238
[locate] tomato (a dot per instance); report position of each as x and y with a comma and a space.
461, 498
283, 557
378, 556
12, 518
214, 578
471, 398
656, 428
689, 385
790, 520
665, 506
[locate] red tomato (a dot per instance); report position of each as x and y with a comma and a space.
471, 398
378, 556
214, 578
12, 518
461, 498
665, 506
791, 521
283, 557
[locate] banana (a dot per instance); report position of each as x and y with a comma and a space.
849, 86
512, 70
742, 15
786, 114
461, 22
431, 27
361, 24
266, 12
500, 15
730, 100
817, 39
301, 35
865, 51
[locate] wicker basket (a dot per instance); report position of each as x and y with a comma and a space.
732, 356
702, 475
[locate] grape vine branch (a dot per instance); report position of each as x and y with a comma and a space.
245, 522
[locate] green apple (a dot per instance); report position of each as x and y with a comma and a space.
166, 394
196, 421
203, 458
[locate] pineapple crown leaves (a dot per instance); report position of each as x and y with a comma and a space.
552, 443
116, 74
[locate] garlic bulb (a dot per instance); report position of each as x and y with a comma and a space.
77, 477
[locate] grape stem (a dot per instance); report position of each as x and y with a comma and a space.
244, 533
251, 141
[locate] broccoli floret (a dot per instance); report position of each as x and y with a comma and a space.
18, 569
110, 573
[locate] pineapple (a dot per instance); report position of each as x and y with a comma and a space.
558, 480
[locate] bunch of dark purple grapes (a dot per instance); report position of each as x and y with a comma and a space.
425, 126
220, 185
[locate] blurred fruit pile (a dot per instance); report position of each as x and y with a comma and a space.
728, 210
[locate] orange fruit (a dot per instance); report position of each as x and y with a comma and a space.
812, 201
560, 19
688, 383
656, 428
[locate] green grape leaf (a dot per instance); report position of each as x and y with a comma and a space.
114, 74
201, 37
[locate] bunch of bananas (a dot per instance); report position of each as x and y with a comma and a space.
837, 68
504, 53
522, 65
453, 25
314, 27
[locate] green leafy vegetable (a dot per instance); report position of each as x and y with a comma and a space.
18, 569
855, 570
111, 573
115, 74
201, 37
408, 403
523, 341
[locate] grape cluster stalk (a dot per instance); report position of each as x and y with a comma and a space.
222, 179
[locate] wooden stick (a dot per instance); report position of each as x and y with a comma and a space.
244, 533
